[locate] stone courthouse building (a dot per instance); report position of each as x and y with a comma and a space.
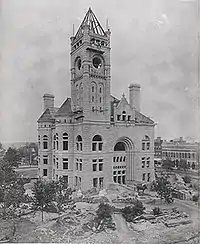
94, 138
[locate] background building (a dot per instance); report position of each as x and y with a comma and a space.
179, 151
94, 138
158, 151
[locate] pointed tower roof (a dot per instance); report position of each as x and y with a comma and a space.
94, 26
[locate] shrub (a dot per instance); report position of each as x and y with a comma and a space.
156, 211
195, 198
104, 211
104, 217
164, 188
187, 179
131, 212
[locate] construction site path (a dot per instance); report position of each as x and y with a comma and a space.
125, 234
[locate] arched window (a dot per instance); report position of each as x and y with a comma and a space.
45, 142
65, 141
79, 143
57, 141
120, 146
97, 143
146, 143
93, 95
124, 115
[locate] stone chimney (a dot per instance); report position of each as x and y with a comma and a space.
48, 101
134, 96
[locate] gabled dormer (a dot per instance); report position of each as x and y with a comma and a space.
123, 111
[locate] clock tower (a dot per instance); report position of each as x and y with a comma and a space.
90, 70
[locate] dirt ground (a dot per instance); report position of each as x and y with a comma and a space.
31, 229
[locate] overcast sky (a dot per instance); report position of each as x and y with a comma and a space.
154, 43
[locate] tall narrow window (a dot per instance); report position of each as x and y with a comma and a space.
124, 115
143, 177
81, 95
54, 159
79, 143
101, 167
94, 167
95, 182
45, 142
77, 162
143, 162
66, 179
54, 142
146, 143
44, 172
81, 166
100, 146
148, 177
65, 141
65, 163
57, 163
39, 141
148, 162
80, 181
57, 143
45, 159
101, 182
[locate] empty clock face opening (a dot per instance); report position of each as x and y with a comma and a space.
97, 63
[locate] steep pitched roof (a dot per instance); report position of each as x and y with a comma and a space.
114, 99
46, 117
65, 109
141, 118
91, 20
123, 101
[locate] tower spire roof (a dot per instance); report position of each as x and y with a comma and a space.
94, 25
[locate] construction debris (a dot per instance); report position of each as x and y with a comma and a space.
176, 222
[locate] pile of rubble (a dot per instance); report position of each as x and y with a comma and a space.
93, 199
170, 218
7, 230
128, 200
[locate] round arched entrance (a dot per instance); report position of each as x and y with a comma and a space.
122, 168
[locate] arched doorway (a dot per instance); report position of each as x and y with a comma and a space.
122, 161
